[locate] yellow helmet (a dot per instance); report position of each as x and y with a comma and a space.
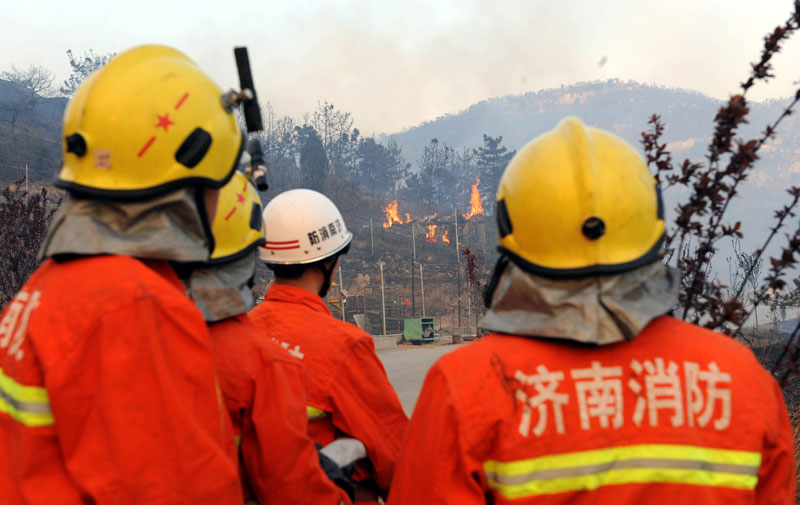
238, 227
579, 201
148, 122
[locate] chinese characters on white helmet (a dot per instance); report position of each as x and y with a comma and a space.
303, 226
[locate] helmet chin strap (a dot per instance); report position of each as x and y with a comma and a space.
499, 268
326, 274
200, 200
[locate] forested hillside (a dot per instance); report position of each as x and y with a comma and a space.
431, 169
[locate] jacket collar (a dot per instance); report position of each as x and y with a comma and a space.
292, 294
165, 271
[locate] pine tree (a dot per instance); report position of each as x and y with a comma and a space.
435, 181
313, 162
380, 167
492, 159
82, 67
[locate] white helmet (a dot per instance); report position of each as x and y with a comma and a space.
302, 226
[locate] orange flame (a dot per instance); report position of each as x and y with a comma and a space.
391, 215
444, 237
476, 206
431, 235
408, 217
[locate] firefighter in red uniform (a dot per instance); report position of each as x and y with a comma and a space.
586, 392
107, 387
263, 386
349, 393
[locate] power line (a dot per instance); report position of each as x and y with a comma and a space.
30, 169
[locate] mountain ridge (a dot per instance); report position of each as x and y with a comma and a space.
623, 107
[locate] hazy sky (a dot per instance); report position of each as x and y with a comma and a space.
395, 64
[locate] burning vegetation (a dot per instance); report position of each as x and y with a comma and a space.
476, 205
392, 216
430, 236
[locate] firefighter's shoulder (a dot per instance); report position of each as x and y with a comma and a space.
109, 280
676, 339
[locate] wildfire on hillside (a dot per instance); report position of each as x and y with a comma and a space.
431, 225
476, 206
431, 235
392, 216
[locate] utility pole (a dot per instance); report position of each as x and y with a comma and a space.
371, 239
422, 288
413, 260
341, 291
458, 269
469, 308
383, 301
364, 302
26, 179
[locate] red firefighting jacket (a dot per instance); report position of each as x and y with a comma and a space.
679, 415
108, 393
264, 391
348, 390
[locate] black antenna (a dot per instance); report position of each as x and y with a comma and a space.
252, 118
258, 164
252, 112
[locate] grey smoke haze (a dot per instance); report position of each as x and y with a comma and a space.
396, 64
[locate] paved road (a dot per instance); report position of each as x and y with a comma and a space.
407, 366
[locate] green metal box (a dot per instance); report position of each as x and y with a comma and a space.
418, 330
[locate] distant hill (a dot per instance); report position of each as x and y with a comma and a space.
622, 107
625, 107
35, 140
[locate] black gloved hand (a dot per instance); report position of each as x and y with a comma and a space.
339, 476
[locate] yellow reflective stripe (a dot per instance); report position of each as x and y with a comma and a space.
27, 418
661, 451
632, 476
28, 405
22, 393
314, 413
237, 439
634, 464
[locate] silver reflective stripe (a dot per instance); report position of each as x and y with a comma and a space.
27, 407
628, 464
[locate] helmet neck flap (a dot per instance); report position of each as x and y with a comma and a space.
170, 227
600, 310
224, 290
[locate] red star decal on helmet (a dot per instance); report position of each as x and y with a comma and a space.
240, 197
164, 121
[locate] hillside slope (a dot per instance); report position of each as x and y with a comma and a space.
624, 108
35, 140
